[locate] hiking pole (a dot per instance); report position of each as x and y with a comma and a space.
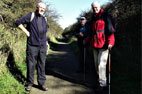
109, 69
84, 64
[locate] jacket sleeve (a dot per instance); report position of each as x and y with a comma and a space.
76, 34
89, 34
111, 39
24, 20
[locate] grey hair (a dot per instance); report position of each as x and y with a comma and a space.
95, 2
40, 3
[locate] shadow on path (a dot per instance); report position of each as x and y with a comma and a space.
62, 63
14, 70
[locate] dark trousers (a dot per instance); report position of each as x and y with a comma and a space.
84, 59
36, 57
81, 58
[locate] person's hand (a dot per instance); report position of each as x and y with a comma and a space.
24, 30
109, 47
81, 34
28, 34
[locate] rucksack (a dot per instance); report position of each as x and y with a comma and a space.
110, 22
33, 15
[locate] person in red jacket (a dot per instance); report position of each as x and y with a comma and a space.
101, 38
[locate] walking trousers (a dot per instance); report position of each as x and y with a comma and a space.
100, 60
36, 57
83, 58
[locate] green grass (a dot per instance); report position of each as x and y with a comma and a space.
9, 85
12, 72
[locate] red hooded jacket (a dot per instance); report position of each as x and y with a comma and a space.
99, 36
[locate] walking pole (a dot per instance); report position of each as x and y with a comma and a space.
109, 69
84, 63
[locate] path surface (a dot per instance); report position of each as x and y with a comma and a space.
61, 73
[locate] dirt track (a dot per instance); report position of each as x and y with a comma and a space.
61, 73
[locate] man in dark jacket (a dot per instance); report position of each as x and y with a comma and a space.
102, 40
81, 34
36, 45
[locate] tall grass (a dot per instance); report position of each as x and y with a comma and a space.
12, 68
9, 85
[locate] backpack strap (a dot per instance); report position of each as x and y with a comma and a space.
97, 34
45, 19
32, 16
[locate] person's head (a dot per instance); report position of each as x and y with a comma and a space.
41, 8
96, 7
83, 21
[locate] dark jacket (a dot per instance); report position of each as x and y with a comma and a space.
84, 29
32, 27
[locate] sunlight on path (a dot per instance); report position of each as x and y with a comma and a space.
59, 86
63, 62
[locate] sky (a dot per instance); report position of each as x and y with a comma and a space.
69, 10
